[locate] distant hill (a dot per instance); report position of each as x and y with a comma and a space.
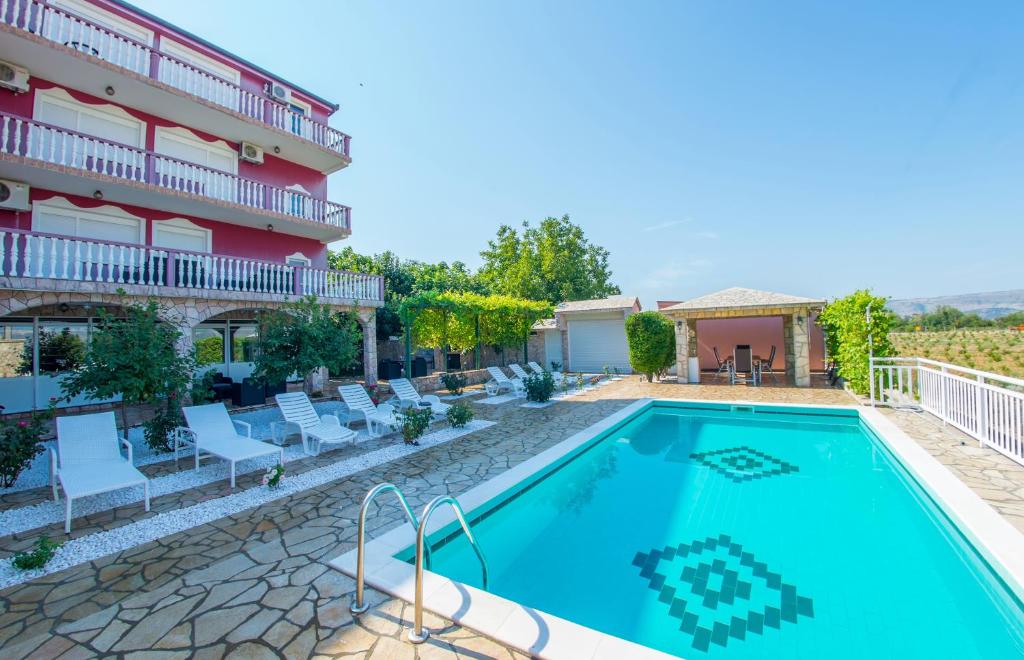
990, 305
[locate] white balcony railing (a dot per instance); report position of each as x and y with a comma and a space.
989, 407
56, 257
25, 137
80, 34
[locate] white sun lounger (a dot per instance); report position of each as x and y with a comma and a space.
88, 461
408, 397
556, 375
212, 431
315, 430
379, 419
519, 372
499, 381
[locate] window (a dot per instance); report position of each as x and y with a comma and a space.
300, 109
244, 342
62, 345
209, 345
15, 349
106, 223
106, 19
200, 61
106, 122
223, 90
180, 234
182, 145
298, 259
60, 26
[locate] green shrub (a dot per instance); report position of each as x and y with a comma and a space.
459, 415
556, 366
454, 383
846, 335
652, 343
202, 389
44, 551
539, 387
20, 443
415, 422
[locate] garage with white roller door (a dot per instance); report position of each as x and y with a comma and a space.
596, 333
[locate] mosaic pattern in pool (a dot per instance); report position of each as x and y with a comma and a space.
719, 591
744, 463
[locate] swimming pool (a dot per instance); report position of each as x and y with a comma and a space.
740, 531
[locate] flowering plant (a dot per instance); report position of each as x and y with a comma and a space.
273, 476
20, 442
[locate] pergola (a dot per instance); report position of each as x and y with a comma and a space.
744, 303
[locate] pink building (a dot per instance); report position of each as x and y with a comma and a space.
137, 156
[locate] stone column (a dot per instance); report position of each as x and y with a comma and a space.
691, 345
787, 343
801, 350
682, 350
369, 322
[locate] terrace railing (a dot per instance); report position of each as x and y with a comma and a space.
57, 257
987, 406
29, 138
80, 34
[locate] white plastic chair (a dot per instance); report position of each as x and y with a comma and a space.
212, 431
408, 397
379, 419
88, 461
499, 381
315, 430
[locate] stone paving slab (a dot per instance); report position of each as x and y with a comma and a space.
255, 585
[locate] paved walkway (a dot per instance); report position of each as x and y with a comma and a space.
255, 585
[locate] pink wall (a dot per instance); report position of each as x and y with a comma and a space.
274, 171
760, 332
251, 79
228, 239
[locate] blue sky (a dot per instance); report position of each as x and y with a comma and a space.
805, 147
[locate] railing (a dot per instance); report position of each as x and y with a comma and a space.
987, 406
21, 136
53, 256
41, 18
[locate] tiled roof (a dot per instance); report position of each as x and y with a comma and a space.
612, 302
740, 297
545, 324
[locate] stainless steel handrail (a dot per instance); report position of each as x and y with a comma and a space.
359, 605
419, 634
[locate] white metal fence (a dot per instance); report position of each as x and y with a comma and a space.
987, 406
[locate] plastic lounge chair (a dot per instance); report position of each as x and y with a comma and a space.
557, 375
519, 372
409, 397
212, 431
499, 381
300, 416
87, 460
379, 419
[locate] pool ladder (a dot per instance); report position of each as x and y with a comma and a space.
418, 634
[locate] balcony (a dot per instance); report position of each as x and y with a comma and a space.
55, 158
72, 51
50, 262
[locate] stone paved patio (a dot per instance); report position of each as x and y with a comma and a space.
255, 585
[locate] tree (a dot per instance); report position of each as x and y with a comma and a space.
303, 338
846, 328
553, 261
652, 343
135, 357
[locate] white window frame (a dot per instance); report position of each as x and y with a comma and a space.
200, 61
105, 213
102, 17
183, 135
57, 96
298, 256
182, 226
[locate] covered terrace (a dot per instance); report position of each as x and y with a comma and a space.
747, 312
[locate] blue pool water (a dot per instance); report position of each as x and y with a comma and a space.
705, 532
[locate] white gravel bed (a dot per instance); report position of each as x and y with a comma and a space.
537, 404
501, 398
37, 473
13, 521
93, 546
467, 393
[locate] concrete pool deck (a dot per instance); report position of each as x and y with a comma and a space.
256, 584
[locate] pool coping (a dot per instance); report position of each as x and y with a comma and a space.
544, 635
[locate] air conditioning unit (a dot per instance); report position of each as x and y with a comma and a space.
14, 195
13, 77
250, 153
279, 93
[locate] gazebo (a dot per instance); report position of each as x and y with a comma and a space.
736, 302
